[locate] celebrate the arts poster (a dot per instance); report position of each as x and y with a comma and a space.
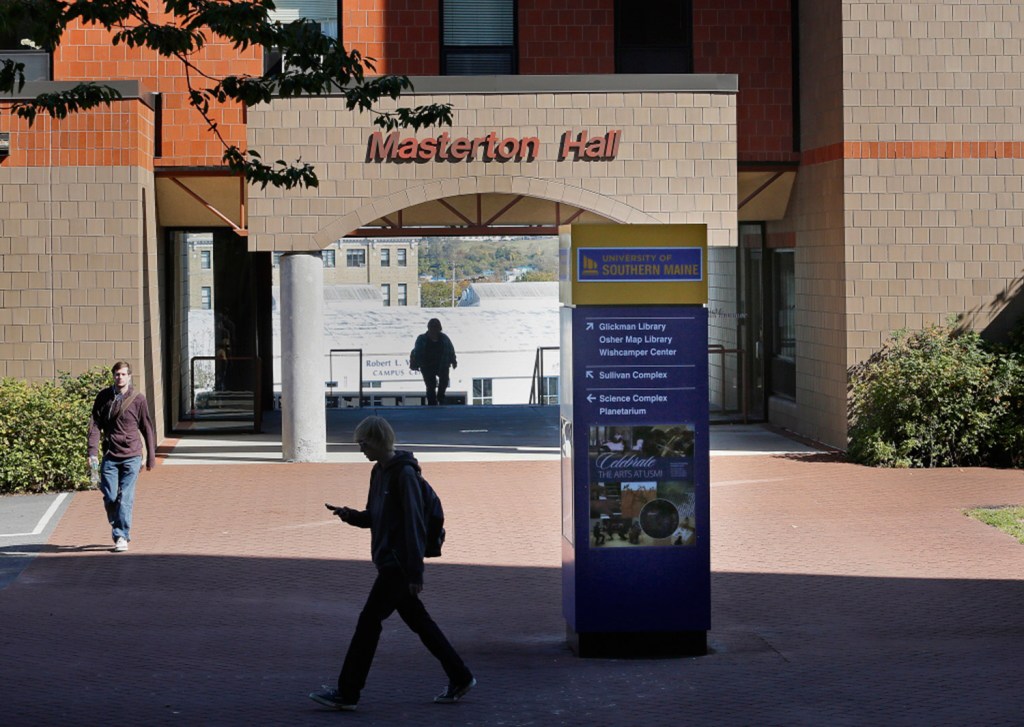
642, 489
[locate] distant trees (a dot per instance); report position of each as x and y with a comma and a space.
487, 260
439, 294
537, 276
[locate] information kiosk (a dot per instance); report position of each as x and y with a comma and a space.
636, 571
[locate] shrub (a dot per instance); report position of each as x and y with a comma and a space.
43, 430
935, 398
1007, 442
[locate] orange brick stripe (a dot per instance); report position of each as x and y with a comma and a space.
914, 150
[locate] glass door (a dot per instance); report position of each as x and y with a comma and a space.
217, 377
752, 303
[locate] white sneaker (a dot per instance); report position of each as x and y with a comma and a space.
121, 545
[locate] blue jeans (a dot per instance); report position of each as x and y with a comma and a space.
117, 483
390, 593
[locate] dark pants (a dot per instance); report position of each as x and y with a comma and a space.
437, 384
390, 592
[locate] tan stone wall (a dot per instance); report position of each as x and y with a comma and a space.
943, 239
935, 229
821, 348
78, 249
910, 211
815, 215
676, 161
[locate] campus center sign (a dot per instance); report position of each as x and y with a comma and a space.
574, 146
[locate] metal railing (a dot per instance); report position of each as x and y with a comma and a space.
537, 384
716, 349
332, 383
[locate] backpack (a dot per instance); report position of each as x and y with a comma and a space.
433, 514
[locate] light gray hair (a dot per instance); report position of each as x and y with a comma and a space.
377, 430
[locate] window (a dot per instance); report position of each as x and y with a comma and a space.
653, 36
277, 259
328, 257
37, 62
205, 259
402, 260
385, 294
355, 258
403, 294
206, 297
482, 391
783, 346
385, 258
549, 390
478, 37
321, 15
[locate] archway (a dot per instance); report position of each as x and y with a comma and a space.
470, 205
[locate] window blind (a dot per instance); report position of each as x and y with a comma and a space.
479, 22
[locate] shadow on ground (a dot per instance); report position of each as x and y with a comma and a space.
141, 639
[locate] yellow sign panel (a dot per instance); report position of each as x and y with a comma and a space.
610, 264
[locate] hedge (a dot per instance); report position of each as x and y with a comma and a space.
938, 397
43, 431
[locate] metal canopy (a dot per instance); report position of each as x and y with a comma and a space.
478, 214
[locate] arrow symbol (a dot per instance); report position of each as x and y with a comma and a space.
590, 374
590, 398
590, 326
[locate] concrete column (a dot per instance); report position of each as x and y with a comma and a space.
303, 415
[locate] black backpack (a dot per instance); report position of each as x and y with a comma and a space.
433, 514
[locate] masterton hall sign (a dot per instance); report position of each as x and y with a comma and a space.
575, 146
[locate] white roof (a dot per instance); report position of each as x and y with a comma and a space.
547, 289
360, 293
352, 319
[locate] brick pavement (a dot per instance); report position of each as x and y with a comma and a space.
841, 596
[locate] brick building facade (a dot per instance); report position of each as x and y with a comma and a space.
858, 164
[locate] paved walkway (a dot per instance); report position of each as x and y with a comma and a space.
841, 596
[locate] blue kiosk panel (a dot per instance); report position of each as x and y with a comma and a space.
636, 554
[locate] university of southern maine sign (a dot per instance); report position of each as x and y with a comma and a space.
580, 146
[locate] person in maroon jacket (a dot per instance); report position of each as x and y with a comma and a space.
120, 421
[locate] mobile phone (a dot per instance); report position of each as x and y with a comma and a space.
329, 506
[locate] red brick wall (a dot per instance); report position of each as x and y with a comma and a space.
748, 37
555, 36
86, 54
751, 38
403, 36
566, 37
121, 135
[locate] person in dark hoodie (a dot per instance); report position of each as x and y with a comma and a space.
432, 356
395, 516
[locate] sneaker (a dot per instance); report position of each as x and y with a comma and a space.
331, 698
121, 545
453, 693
